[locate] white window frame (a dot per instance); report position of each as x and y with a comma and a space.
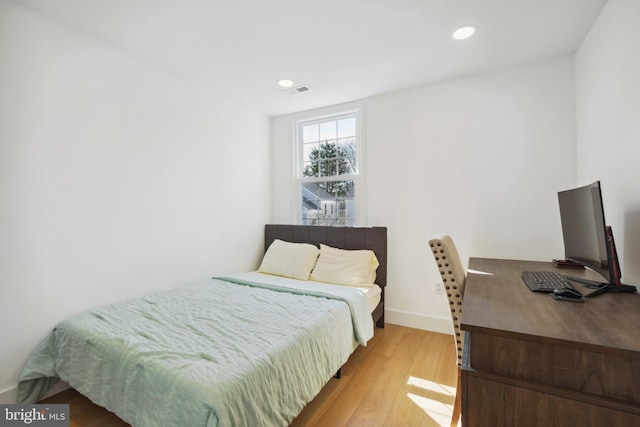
358, 178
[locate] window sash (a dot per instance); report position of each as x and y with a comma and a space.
304, 144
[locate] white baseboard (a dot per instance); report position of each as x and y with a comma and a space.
418, 321
10, 396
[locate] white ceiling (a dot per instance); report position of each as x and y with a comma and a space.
343, 49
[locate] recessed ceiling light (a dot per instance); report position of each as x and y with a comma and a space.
464, 32
285, 83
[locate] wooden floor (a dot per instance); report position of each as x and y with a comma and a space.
404, 377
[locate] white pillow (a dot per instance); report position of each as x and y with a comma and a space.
295, 260
345, 267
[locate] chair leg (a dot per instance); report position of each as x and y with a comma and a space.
457, 403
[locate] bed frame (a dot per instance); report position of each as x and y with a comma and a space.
372, 238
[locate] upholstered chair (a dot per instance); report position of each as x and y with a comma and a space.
453, 278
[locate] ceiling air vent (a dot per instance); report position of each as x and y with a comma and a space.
296, 90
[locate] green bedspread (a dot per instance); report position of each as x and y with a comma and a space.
216, 353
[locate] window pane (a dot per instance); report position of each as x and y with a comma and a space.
328, 131
308, 150
347, 127
310, 169
322, 168
310, 133
328, 203
347, 157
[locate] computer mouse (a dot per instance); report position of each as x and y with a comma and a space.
567, 293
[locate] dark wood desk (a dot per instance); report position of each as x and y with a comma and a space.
530, 360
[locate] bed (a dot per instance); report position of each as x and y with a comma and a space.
244, 349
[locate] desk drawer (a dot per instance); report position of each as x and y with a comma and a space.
488, 402
580, 370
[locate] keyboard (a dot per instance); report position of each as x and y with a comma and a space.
545, 281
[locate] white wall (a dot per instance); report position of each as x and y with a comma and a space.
480, 158
608, 123
116, 179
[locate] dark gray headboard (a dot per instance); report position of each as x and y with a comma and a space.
372, 238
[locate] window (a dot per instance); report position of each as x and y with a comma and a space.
329, 170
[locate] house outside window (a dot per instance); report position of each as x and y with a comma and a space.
329, 172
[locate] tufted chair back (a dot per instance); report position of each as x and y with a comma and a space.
453, 277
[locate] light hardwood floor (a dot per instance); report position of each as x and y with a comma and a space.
404, 377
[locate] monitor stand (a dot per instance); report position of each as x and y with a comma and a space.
601, 287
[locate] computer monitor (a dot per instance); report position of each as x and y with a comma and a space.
587, 239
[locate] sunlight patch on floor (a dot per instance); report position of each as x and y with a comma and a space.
432, 386
435, 399
438, 411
